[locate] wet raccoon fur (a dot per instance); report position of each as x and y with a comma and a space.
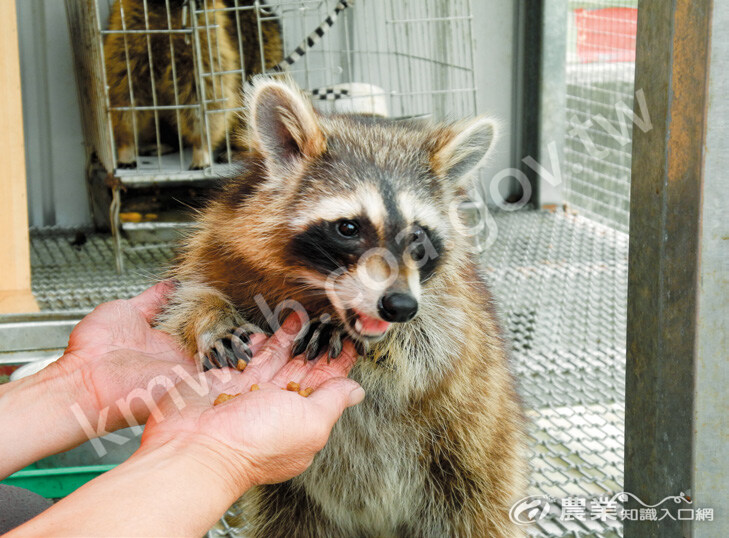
436, 448
128, 70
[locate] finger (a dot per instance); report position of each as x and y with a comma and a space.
334, 396
327, 369
258, 340
313, 373
151, 300
228, 381
294, 370
277, 350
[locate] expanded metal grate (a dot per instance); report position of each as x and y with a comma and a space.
561, 282
75, 269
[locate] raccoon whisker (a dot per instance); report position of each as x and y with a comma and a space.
196, 210
149, 275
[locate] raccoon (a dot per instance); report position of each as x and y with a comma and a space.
140, 70
352, 217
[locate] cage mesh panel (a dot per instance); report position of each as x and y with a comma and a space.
561, 282
416, 54
600, 76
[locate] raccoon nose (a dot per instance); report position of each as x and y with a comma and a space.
397, 307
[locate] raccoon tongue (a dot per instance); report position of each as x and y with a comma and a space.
369, 326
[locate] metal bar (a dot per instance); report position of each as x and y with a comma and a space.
105, 85
163, 31
130, 85
239, 39
31, 334
429, 19
710, 480
671, 68
527, 98
173, 65
162, 107
145, 178
197, 60
205, 120
470, 45
153, 83
24, 357
553, 95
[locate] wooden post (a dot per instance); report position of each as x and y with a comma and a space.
15, 294
663, 370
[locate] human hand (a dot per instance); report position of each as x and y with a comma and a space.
196, 459
262, 436
115, 368
114, 351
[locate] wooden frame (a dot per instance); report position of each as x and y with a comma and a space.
15, 294
676, 398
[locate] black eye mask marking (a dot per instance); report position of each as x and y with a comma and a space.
324, 247
425, 248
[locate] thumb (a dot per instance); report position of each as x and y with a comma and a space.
335, 395
151, 300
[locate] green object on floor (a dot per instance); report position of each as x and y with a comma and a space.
55, 483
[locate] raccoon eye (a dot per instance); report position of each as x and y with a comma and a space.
417, 235
348, 228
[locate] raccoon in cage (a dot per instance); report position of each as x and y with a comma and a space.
150, 62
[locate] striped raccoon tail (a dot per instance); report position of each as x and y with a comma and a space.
313, 38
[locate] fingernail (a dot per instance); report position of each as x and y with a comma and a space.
356, 396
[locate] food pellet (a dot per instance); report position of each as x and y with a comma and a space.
241, 365
305, 392
255, 387
223, 397
293, 386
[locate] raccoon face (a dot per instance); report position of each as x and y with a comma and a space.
368, 202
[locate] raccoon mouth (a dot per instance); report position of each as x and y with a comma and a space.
367, 327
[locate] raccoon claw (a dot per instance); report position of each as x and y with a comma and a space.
228, 351
127, 166
198, 166
317, 336
335, 345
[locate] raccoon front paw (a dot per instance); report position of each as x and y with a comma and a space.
231, 350
200, 158
316, 336
127, 166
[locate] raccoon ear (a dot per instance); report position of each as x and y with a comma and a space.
282, 124
461, 148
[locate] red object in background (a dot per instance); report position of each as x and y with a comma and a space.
606, 35
7, 369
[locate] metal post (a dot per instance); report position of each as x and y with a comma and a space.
553, 92
663, 286
710, 480
527, 84
541, 98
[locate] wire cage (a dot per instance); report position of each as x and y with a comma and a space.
600, 94
161, 80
